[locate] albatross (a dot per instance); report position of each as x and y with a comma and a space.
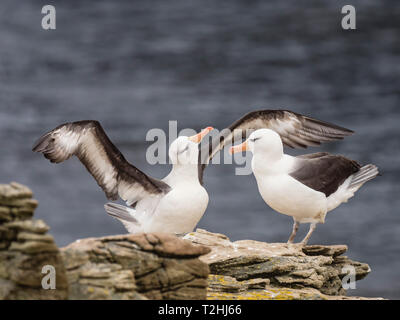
176, 203
305, 187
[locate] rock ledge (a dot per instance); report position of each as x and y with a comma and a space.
160, 266
142, 266
249, 269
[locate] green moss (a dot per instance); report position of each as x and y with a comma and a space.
251, 295
228, 288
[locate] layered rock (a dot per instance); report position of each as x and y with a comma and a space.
160, 266
249, 269
25, 249
143, 266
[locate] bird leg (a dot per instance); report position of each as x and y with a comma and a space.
294, 231
307, 237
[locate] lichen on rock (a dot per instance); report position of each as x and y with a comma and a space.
278, 270
160, 266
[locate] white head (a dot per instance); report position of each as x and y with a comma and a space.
185, 150
265, 142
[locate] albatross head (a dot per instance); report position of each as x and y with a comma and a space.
263, 141
185, 150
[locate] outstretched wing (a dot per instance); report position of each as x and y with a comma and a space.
88, 141
296, 131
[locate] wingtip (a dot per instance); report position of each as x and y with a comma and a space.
35, 147
108, 205
40, 143
350, 132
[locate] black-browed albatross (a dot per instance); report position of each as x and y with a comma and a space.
305, 187
176, 203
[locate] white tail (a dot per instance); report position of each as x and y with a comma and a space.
365, 174
351, 185
124, 214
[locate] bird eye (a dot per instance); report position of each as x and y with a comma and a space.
254, 139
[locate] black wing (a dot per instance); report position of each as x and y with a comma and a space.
296, 131
88, 141
323, 172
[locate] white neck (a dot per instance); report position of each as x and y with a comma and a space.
183, 173
264, 164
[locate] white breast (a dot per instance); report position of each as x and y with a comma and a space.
179, 210
287, 195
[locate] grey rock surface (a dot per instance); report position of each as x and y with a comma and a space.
249, 269
25, 248
160, 266
142, 266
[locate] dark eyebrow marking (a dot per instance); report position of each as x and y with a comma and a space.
187, 147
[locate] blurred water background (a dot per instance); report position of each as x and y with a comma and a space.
135, 65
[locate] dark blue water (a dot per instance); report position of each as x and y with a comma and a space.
135, 66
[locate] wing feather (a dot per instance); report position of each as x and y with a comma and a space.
88, 141
323, 172
296, 131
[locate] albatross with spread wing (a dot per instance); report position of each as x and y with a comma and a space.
305, 187
176, 203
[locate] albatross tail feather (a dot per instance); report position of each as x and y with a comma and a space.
366, 173
125, 215
351, 185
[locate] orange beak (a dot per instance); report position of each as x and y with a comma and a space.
239, 148
198, 137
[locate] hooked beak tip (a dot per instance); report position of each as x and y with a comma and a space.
198, 137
